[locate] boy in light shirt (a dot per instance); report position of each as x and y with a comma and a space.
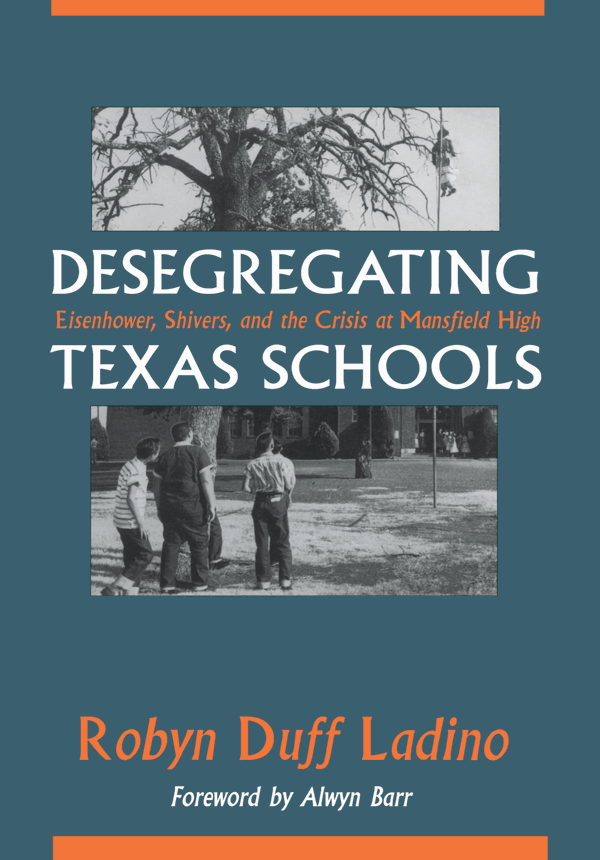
271, 478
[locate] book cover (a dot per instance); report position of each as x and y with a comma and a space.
363, 617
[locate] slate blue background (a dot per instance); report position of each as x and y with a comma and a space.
520, 661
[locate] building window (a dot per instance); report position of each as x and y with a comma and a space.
235, 429
354, 414
295, 431
444, 414
494, 411
250, 427
277, 428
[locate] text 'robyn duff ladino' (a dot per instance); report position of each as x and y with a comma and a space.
258, 735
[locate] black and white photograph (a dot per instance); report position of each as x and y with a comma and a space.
293, 501
264, 169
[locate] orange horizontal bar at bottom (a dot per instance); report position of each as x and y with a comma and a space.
299, 847
347, 8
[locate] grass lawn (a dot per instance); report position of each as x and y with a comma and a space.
349, 537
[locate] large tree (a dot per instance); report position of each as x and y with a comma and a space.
204, 420
205, 423
236, 157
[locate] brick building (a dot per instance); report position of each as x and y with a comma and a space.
340, 419
126, 424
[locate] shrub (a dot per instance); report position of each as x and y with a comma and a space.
382, 429
383, 432
97, 431
224, 442
485, 433
325, 442
300, 449
350, 440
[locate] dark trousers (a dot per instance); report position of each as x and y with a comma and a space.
137, 554
215, 541
272, 535
179, 527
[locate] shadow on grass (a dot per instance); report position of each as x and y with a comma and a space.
402, 574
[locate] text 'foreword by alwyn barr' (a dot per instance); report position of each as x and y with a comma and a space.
316, 797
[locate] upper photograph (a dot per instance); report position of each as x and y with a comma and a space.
280, 169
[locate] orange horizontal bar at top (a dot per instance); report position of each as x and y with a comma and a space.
299, 847
244, 8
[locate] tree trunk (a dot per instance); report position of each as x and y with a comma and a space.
262, 418
231, 198
205, 423
363, 461
204, 420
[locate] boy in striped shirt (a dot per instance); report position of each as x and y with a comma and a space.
130, 507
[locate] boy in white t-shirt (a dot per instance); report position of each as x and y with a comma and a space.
128, 517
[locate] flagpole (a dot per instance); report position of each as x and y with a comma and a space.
435, 456
440, 156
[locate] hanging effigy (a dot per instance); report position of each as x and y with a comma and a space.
442, 155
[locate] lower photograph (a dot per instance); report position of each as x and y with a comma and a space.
307, 501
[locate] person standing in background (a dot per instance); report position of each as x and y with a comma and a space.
464, 446
453, 447
440, 441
